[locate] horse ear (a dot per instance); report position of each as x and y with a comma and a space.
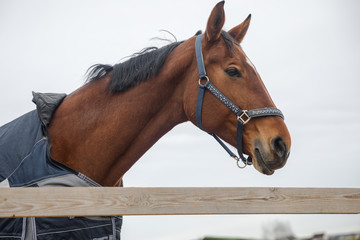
215, 22
239, 32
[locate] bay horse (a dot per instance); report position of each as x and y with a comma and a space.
104, 127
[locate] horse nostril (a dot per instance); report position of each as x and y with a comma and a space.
279, 147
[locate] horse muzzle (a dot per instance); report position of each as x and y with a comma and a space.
270, 156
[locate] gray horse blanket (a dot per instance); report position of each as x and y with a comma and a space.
25, 162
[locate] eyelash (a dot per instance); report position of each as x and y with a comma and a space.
233, 72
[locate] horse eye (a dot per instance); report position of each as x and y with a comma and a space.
233, 72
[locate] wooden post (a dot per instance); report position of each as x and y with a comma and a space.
106, 201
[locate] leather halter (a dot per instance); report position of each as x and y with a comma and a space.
243, 116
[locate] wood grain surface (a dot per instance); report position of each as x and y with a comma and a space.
107, 201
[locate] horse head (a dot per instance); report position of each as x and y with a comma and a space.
265, 139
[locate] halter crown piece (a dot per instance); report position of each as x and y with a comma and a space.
243, 116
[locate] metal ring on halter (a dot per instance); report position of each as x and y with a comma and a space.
207, 80
244, 117
238, 160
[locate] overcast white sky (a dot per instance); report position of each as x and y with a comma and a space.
307, 52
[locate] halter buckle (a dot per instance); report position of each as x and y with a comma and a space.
244, 117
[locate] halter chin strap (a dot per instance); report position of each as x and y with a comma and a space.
243, 116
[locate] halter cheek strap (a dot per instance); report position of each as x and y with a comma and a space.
243, 116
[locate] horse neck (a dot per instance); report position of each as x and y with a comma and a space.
102, 134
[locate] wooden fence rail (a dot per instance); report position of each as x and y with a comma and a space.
46, 202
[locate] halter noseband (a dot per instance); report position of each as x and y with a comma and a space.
243, 116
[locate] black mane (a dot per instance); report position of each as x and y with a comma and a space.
141, 66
